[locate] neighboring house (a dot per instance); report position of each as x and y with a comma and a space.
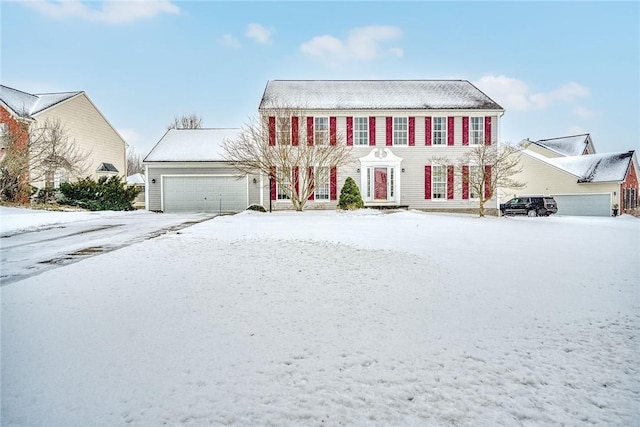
581, 181
139, 181
399, 131
84, 124
186, 172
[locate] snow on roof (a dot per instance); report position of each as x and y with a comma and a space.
567, 145
26, 104
136, 178
605, 167
375, 94
192, 145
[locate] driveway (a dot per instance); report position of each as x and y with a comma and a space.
28, 253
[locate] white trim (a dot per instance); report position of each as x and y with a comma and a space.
393, 131
381, 158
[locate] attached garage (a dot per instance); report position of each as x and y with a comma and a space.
187, 172
221, 194
583, 204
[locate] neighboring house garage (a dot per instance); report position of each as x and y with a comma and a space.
186, 172
583, 204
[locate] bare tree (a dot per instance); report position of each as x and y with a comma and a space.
274, 144
40, 153
51, 151
484, 169
134, 162
191, 121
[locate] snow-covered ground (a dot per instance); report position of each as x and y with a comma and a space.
330, 318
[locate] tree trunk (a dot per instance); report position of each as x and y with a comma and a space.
481, 207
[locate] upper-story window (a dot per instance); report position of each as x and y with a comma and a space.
476, 130
360, 131
439, 130
283, 130
321, 130
400, 131
439, 182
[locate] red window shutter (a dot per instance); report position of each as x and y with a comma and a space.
450, 131
465, 182
389, 131
296, 179
309, 130
295, 134
311, 184
450, 182
427, 182
372, 131
333, 137
465, 130
412, 131
272, 130
427, 131
333, 184
273, 183
349, 130
487, 130
487, 181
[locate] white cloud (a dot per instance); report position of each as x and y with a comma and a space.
229, 41
111, 12
259, 33
584, 113
515, 94
575, 130
363, 44
129, 135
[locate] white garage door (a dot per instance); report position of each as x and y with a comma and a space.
204, 194
584, 204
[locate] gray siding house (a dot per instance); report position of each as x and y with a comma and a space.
186, 172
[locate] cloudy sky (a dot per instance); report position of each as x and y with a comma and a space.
558, 68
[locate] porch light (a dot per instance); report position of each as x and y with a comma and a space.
153, 180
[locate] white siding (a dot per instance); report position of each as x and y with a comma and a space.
90, 131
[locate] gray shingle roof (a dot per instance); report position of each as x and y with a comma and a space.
375, 94
192, 145
26, 104
567, 145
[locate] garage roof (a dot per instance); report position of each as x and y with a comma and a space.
375, 94
605, 167
192, 145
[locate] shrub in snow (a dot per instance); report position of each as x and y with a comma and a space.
257, 208
107, 194
350, 197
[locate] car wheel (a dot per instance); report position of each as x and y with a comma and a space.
532, 213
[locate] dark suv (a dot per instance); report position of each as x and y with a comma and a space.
529, 205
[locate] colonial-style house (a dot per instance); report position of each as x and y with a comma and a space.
84, 126
582, 181
399, 132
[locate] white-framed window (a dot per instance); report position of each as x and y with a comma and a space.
439, 130
361, 131
474, 175
321, 180
283, 182
400, 131
4, 135
438, 182
283, 130
368, 183
476, 130
321, 130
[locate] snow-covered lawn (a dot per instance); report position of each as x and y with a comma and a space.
329, 318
